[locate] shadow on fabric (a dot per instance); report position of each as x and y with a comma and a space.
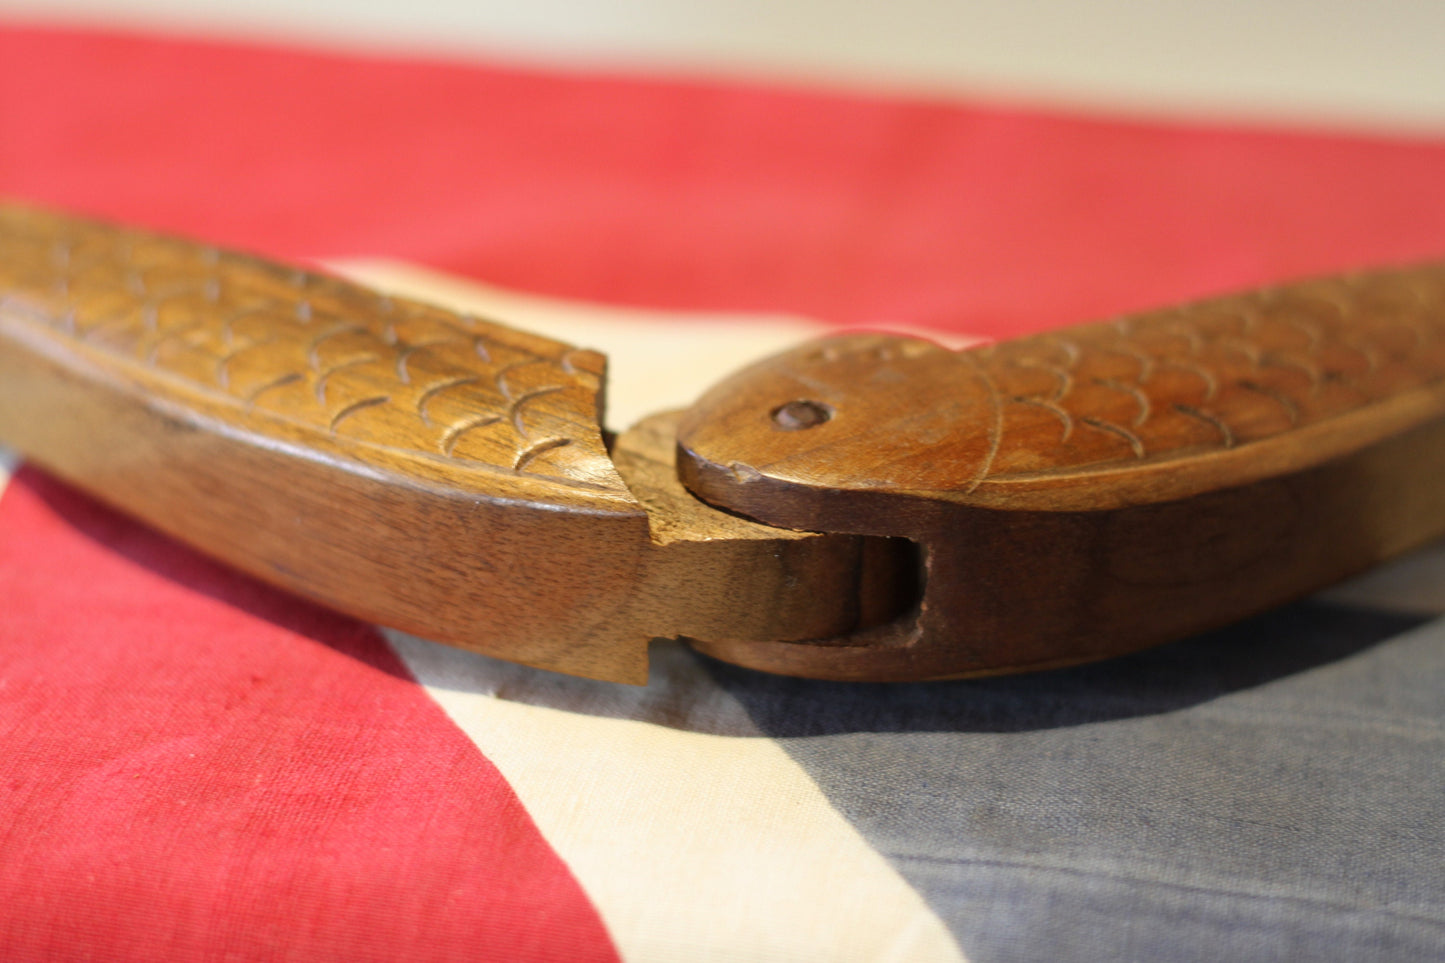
1280, 643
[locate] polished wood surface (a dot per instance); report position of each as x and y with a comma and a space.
1087, 492
440, 474
915, 512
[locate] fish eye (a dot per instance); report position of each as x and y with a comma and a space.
800, 415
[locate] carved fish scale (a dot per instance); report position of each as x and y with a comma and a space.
1070, 496
368, 370
1172, 384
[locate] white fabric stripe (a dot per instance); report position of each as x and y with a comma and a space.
692, 847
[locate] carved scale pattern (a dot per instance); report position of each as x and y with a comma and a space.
331, 356
1215, 374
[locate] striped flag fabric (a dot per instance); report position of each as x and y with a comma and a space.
195, 766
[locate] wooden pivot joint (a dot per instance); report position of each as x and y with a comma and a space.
1089, 492
920, 513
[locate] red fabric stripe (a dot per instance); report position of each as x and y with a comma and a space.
197, 767
695, 195
192, 765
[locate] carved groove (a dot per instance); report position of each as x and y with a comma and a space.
455, 432
1226, 437
324, 377
354, 407
438, 388
1065, 419
520, 402
290, 378
1135, 445
539, 448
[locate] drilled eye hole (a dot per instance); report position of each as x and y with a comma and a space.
802, 414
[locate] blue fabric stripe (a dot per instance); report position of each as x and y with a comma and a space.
1272, 791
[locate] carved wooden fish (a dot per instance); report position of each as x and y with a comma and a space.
921, 512
1102, 415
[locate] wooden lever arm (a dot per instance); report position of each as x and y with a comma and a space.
439, 474
1087, 492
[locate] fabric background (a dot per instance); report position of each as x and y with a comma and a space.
193, 766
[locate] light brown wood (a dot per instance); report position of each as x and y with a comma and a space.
1059, 498
1089, 492
439, 474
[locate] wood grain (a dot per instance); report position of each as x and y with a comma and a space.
440, 474
1087, 492
1059, 498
